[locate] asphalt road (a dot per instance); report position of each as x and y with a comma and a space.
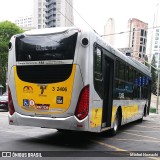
136, 136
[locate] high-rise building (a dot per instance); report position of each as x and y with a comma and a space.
53, 13
25, 22
109, 30
137, 38
156, 46
155, 38
39, 13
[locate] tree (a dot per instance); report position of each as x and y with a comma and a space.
146, 60
154, 75
7, 30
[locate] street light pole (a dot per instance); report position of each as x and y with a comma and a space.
158, 81
157, 92
158, 69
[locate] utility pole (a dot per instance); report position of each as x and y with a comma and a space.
157, 92
157, 8
158, 81
130, 33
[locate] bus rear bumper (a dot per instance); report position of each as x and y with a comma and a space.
68, 123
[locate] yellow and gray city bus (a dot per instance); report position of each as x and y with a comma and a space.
71, 79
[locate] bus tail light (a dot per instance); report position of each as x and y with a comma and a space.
10, 103
82, 108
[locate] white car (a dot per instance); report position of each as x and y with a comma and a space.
4, 101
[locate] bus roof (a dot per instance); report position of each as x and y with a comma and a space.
45, 31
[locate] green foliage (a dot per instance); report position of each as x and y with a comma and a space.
152, 110
154, 74
146, 60
7, 30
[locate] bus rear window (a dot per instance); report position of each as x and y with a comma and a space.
46, 47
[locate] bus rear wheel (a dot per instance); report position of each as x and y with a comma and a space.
63, 130
143, 115
116, 125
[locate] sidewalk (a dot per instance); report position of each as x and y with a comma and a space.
154, 102
153, 117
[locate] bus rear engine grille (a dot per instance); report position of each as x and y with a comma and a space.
44, 74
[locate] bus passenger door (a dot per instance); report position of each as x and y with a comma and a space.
108, 74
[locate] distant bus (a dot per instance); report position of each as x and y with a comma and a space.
71, 79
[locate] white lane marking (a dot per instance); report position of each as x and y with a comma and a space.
123, 139
141, 135
108, 145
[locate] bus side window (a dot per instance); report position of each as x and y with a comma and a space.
126, 73
121, 71
119, 81
98, 63
130, 76
117, 70
135, 82
98, 76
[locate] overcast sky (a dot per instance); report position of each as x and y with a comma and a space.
95, 12
12, 9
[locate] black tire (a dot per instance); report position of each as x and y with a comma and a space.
140, 120
60, 130
143, 115
63, 131
116, 125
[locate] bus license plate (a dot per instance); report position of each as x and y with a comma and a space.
42, 106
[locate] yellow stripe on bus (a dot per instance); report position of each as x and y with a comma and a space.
129, 111
96, 118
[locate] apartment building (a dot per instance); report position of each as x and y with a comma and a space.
137, 38
53, 13
39, 13
25, 22
156, 45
